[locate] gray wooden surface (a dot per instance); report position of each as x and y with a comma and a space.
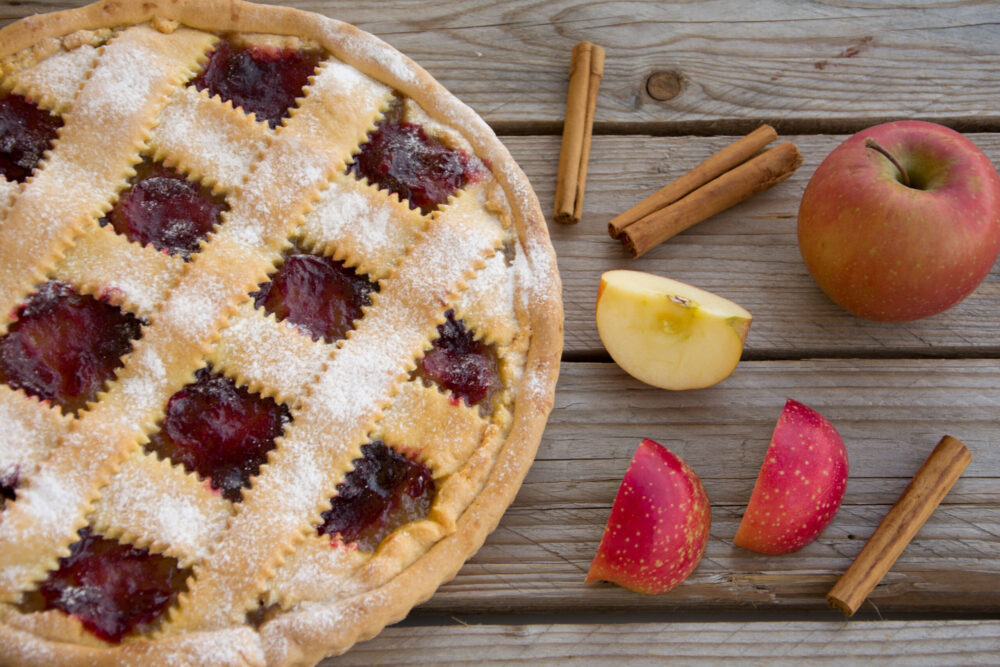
817, 71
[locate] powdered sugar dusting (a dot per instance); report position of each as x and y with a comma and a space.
535, 268
48, 496
299, 167
317, 570
368, 47
361, 372
219, 143
27, 429
270, 353
490, 295
58, 77
122, 85
148, 497
347, 206
193, 307
234, 647
316, 619
143, 385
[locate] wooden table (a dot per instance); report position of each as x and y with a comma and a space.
816, 71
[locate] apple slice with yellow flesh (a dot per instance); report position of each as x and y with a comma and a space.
800, 486
658, 527
667, 333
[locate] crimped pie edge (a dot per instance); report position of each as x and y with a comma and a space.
304, 637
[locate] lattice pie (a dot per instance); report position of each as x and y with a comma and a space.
281, 331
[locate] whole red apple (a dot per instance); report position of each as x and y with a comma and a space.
800, 485
901, 221
658, 526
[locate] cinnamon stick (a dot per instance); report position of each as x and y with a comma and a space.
924, 493
758, 174
586, 70
731, 156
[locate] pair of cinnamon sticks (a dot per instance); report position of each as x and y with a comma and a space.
733, 174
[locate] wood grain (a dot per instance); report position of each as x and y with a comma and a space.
890, 414
748, 254
821, 65
899, 643
818, 69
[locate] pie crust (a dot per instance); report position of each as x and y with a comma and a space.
267, 588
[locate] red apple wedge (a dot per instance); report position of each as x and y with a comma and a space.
658, 526
800, 485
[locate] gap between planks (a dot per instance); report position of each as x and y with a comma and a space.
900, 643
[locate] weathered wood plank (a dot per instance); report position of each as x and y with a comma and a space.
816, 64
891, 413
899, 643
748, 254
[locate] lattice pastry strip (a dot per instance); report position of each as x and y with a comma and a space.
30, 430
172, 349
334, 422
208, 138
286, 185
106, 264
141, 66
54, 82
487, 306
447, 432
318, 571
269, 357
388, 225
150, 502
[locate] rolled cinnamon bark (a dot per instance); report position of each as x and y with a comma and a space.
758, 174
924, 493
586, 70
729, 157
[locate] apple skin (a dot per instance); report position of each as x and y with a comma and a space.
658, 527
888, 252
800, 486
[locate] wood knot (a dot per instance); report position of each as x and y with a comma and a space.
664, 86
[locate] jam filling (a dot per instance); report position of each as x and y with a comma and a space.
317, 294
460, 363
26, 132
8, 485
112, 588
166, 210
220, 431
65, 346
384, 491
263, 80
401, 158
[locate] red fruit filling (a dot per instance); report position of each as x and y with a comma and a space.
166, 210
8, 484
112, 588
65, 346
319, 295
384, 491
264, 80
401, 158
26, 131
460, 363
220, 431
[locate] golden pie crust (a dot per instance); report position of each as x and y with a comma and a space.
116, 72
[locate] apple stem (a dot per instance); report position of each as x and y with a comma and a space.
871, 143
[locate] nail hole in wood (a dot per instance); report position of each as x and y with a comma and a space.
664, 86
